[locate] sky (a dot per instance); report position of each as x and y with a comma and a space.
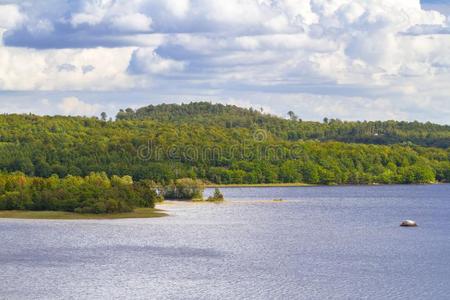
347, 59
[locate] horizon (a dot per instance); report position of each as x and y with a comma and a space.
348, 60
113, 117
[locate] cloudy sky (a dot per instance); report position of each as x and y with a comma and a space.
349, 59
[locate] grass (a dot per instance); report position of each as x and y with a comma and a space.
139, 213
258, 185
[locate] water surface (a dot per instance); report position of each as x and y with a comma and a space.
321, 243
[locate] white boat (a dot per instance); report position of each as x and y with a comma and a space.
408, 223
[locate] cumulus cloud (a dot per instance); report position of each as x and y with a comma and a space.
76, 107
374, 50
146, 61
10, 16
69, 69
132, 22
120, 15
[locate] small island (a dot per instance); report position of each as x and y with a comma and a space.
187, 189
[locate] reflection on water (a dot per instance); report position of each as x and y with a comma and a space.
321, 242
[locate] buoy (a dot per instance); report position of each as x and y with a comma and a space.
408, 223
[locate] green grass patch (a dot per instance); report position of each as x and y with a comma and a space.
139, 213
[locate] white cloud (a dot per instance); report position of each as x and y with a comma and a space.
76, 107
384, 53
93, 13
29, 69
10, 16
120, 15
146, 61
178, 8
355, 108
132, 22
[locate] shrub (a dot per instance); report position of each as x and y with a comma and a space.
217, 197
185, 189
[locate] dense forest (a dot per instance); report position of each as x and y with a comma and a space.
224, 144
95, 193
294, 128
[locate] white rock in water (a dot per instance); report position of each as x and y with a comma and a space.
408, 223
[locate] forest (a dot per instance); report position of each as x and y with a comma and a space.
95, 193
224, 144
293, 128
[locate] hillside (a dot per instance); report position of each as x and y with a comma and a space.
295, 129
162, 149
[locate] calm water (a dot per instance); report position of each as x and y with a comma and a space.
323, 243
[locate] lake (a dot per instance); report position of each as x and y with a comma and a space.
321, 243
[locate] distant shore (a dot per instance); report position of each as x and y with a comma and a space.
139, 213
258, 185
310, 185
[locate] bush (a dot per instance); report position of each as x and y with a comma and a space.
185, 189
10, 201
217, 197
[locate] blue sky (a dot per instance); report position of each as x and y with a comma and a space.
348, 59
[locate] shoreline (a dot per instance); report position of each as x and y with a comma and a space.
313, 185
139, 213
259, 185
149, 213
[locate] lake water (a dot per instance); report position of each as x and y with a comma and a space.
321, 243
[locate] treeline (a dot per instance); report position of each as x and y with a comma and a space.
294, 128
163, 150
95, 193
337, 163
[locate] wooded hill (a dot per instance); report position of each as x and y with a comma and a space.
294, 128
224, 144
